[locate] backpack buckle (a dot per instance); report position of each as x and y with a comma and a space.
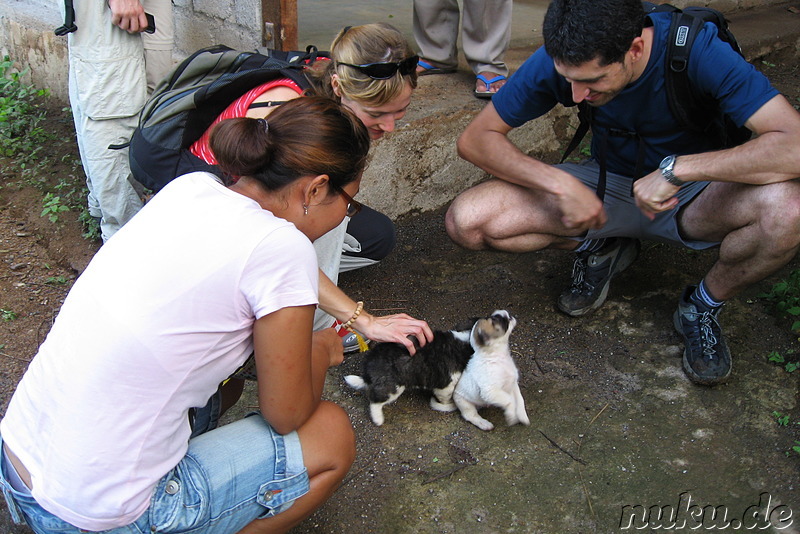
678, 64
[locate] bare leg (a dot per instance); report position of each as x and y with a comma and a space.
503, 216
328, 452
758, 226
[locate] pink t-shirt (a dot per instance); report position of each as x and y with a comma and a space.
163, 313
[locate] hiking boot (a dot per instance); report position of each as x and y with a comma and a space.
592, 274
706, 358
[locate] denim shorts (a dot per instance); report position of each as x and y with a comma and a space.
625, 219
229, 477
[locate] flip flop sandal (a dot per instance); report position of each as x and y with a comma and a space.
430, 69
488, 83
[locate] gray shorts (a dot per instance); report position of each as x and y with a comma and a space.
625, 219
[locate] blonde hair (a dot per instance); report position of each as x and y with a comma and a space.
361, 45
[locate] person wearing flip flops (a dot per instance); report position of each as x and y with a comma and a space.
485, 36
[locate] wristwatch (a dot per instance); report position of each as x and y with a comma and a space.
666, 166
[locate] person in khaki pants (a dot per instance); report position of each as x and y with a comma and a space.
113, 65
485, 36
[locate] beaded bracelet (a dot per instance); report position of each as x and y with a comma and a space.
359, 309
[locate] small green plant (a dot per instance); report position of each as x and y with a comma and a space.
777, 357
785, 297
782, 419
22, 134
91, 228
796, 448
52, 207
8, 315
56, 280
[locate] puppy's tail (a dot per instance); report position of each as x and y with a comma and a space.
355, 382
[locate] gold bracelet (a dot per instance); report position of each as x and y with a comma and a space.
359, 309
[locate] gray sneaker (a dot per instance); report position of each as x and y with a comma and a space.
592, 274
706, 358
349, 338
350, 342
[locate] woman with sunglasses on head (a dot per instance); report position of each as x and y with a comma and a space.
372, 71
96, 436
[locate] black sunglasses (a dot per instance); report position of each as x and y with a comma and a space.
384, 71
353, 206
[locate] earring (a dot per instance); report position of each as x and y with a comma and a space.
305, 209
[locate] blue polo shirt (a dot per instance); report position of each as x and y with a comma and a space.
715, 69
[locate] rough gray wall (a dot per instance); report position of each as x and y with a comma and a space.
26, 33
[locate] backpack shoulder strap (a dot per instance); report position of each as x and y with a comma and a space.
584, 125
683, 31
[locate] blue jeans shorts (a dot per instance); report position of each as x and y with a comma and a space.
625, 219
229, 477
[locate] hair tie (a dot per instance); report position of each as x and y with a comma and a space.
264, 124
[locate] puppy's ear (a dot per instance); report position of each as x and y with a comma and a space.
479, 334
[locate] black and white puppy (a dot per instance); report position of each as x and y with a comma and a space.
389, 369
491, 378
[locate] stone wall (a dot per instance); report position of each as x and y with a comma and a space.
26, 33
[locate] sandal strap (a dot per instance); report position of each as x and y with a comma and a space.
496, 79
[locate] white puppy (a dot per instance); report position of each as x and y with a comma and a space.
491, 378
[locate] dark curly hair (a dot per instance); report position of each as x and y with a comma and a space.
579, 31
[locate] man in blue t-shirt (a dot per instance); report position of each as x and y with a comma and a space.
662, 182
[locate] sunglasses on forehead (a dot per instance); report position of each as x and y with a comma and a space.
384, 71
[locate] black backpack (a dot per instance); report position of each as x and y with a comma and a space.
190, 98
691, 110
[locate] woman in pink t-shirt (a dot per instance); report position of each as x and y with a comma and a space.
97, 434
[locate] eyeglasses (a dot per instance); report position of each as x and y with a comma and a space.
384, 71
353, 206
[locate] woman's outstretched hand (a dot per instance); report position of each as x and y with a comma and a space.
395, 329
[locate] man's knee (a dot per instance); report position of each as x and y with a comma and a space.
461, 225
780, 214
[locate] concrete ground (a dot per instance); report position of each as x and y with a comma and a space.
616, 427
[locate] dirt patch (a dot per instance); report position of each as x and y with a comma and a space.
614, 421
